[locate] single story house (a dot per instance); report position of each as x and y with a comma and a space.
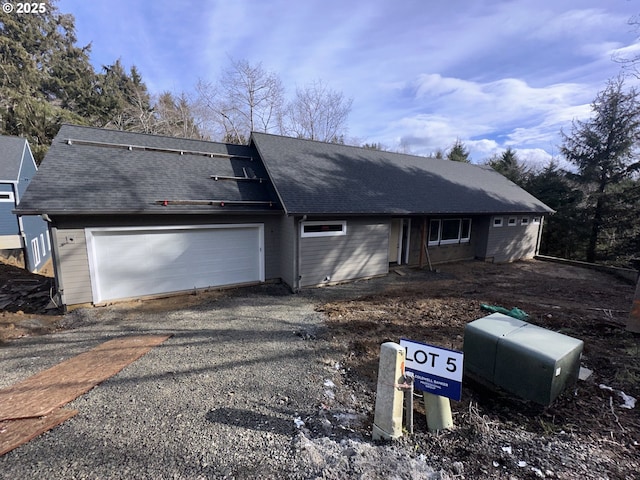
28, 235
134, 215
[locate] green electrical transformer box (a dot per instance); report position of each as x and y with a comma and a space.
531, 362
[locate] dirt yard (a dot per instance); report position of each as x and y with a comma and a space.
586, 433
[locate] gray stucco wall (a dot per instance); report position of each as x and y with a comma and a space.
362, 252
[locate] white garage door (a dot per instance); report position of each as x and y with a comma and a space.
133, 262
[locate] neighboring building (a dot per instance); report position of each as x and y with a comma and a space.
28, 234
136, 215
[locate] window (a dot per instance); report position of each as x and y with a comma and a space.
497, 221
524, 221
449, 230
513, 221
323, 229
465, 232
536, 220
35, 251
434, 232
6, 197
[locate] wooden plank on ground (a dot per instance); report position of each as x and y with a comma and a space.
14, 433
40, 394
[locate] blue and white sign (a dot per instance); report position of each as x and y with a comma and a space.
436, 370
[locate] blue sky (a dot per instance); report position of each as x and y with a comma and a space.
421, 73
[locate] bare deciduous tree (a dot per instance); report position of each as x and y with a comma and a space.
318, 113
246, 98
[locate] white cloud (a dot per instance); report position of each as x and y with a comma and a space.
487, 116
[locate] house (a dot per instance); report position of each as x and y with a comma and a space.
136, 215
28, 235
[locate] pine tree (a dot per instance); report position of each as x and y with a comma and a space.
603, 149
510, 166
459, 152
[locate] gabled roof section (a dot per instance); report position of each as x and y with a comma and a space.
321, 178
98, 171
11, 151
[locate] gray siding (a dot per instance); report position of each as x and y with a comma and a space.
8, 221
27, 170
511, 243
362, 252
72, 265
288, 247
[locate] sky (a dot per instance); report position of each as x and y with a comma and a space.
421, 73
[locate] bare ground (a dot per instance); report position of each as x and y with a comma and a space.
584, 434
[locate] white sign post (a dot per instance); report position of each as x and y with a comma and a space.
438, 374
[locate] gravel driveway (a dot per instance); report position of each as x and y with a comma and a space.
224, 397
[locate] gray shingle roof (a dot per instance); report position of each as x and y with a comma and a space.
321, 178
87, 176
11, 149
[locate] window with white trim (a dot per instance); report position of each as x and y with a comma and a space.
449, 230
35, 251
513, 221
536, 220
524, 221
323, 229
497, 221
6, 197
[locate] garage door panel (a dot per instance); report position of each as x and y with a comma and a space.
137, 262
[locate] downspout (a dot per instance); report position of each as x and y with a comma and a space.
298, 254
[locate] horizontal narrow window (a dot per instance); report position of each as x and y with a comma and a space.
497, 221
524, 221
536, 219
6, 196
513, 221
323, 229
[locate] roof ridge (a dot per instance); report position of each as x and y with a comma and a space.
360, 148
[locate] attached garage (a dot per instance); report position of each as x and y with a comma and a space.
139, 261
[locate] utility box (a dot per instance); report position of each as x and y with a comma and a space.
529, 361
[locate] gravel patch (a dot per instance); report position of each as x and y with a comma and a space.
244, 388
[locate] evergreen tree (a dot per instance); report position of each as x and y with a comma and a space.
459, 152
603, 151
508, 165
565, 232
40, 71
